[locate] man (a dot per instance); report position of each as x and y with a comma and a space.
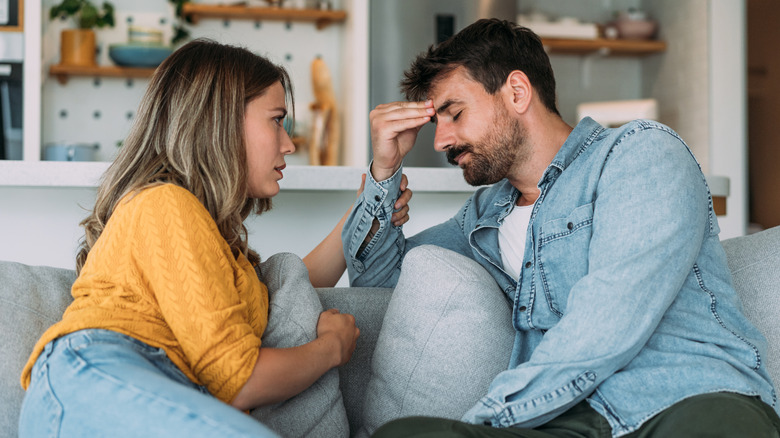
604, 239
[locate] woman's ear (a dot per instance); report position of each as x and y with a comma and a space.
518, 91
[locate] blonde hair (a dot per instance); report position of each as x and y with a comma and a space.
189, 131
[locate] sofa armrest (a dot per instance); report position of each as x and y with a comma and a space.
32, 298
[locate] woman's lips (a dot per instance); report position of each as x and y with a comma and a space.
279, 169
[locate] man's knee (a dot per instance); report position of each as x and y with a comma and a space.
714, 415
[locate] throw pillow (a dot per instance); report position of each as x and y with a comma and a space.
446, 334
293, 313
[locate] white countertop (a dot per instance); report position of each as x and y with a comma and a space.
423, 179
87, 174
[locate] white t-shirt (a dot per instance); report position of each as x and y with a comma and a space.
511, 239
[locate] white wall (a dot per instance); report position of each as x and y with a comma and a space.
728, 108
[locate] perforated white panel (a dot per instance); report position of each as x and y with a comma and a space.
101, 110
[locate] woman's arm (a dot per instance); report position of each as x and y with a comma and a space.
326, 261
281, 373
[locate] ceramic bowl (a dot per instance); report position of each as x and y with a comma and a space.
635, 29
138, 55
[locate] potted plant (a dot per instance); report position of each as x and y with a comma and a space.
77, 46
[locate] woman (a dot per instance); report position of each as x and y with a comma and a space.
165, 329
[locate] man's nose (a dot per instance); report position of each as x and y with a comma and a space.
443, 137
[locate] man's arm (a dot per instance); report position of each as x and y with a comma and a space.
650, 216
326, 261
368, 230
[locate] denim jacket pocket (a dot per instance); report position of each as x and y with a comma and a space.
563, 255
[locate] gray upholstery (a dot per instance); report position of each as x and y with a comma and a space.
294, 310
33, 298
754, 262
446, 334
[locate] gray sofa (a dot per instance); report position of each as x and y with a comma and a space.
32, 298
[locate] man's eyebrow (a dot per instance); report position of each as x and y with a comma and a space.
447, 103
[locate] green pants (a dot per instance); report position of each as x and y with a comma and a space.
709, 415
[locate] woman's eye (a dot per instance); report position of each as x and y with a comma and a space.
457, 116
279, 120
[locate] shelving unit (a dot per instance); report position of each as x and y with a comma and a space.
63, 72
196, 12
604, 46
321, 18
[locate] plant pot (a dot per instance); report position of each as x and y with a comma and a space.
77, 47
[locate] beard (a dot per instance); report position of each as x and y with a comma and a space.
492, 158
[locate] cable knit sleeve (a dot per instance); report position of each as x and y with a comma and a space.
212, 302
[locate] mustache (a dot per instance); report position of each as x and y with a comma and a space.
454, 151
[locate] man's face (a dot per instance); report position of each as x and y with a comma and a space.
475, 129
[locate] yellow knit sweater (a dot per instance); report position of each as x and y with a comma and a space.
162, 273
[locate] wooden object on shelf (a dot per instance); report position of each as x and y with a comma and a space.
321, 18
326, 131
719, 205
63, 72
603, 46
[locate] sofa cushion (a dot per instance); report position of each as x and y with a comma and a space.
368, 306
293, 314
32, 298
446, 334
754, 261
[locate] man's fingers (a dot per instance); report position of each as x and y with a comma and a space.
400, 111
399, 125
391, 106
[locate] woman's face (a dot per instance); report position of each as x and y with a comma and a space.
266, 141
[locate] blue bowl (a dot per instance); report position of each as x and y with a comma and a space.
138, 55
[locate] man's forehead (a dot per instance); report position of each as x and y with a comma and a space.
448, 87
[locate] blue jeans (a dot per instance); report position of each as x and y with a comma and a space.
102, 383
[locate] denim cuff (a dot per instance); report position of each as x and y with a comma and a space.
381, 196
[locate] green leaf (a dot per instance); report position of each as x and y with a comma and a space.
89, 16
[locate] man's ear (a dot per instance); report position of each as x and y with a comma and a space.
518, 91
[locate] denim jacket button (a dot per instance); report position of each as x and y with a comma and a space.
528, 265
377, 198
570, 225
523, 308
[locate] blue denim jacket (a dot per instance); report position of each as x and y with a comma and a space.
625, 298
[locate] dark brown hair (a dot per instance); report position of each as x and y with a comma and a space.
489, 50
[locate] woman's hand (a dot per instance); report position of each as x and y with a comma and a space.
401, 206
339, 332
281, 373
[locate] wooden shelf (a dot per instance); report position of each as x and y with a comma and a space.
603, 46
63, 72
321, 18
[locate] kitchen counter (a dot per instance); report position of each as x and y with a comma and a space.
316, 178
338, 178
